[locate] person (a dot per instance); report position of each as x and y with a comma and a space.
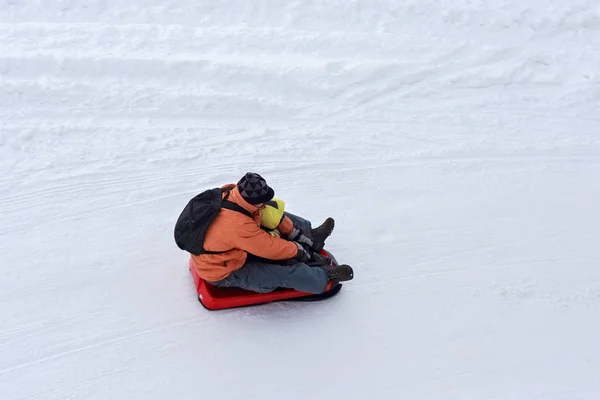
267, 249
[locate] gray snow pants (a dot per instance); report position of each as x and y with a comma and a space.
263, 276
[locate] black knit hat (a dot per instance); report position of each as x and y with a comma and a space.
254, 188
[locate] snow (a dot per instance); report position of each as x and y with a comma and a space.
456, 143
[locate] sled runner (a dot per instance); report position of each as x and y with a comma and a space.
216, 298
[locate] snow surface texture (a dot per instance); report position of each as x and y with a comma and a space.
457, 145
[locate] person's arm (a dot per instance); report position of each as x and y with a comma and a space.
286, 226
249, 237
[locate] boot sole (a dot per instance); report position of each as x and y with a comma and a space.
345, 274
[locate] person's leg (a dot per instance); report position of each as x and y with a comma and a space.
317, 235
263, 277
300, 222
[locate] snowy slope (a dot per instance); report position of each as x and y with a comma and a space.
457, 145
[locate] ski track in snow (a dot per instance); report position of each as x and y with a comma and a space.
457, 144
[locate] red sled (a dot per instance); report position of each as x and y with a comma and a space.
216, 298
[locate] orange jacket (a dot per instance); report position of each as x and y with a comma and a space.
238, 235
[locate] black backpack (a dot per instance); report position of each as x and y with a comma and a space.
197, 216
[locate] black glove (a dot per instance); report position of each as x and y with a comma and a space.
303, 254
298, 236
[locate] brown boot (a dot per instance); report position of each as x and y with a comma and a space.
340, 273
321, 233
